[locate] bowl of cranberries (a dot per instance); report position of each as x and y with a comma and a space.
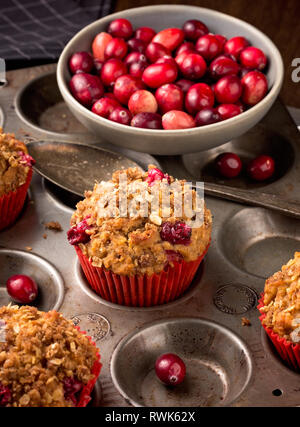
171, 79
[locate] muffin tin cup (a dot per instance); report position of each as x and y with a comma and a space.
140, 291
85, 395
12, 203
288, 351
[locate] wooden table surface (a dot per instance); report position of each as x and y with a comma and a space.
279, 19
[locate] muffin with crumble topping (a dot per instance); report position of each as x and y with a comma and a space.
140, 237
15, 177
280, 309
45, 361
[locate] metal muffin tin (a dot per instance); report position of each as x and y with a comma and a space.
228, 364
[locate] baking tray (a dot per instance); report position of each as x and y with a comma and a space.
248, 244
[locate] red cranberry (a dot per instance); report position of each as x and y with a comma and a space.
120, 28
86, 88
136, 45
5, 396
193, 29
98, 65
142, 101
81, 62
158, 74
180, 58
185, 47
154, 51
207, 116
261, 168
178, 233
147, 121
167, 60
173, 256
227, 111
169, 97
253, 58
155, 174
222, 39
184, 84
235, 46
176, 119
120, 115
208, 46
77, 234
145, 34
133, 57
255, 87
228, 90
199, 96
193, 66
223, 66
110, 96
22, 288
104, 106
137, 68
112, 69
99, 45
125, 86
116, 48
170, 369
170, 38
72, 388
229, 165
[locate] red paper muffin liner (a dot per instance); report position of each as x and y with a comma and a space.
12, 203
85, 394
140, 290
288, 351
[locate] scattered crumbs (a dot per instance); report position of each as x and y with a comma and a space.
45, 236
245, 321
53, 225
28, 248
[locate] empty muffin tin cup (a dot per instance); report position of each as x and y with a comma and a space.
218, 363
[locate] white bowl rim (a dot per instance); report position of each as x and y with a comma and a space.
278, 64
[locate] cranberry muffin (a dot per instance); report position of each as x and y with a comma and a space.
45, 361
139, 259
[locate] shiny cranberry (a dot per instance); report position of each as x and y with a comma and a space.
81, 62
112, 69
229, 165
120, 28
125, 86
137, 68
104, 106
222, 39
193, 29
178, 233
169, 97
207, 116
86, 88
98, 65
116, 48
185, 47
255, 87
5, 396
235, 46
253, 58
77, 234
147, 121
184, 84
154, 51
99, 45
208, 47
158, 74
26, 159
193, 66
110, 95
199, 96
142, 101
176, 119
166, 60
228, 90
154, 175
170, 38
227, 111
136, 45
120, 115
261, 168
134, 57
173, 256
145, 34
181, 57
170, 369
22, 288
72, 388
223, 66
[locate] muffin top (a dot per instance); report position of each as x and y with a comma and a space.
146, 236
44, 359
282, 301
15, 163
